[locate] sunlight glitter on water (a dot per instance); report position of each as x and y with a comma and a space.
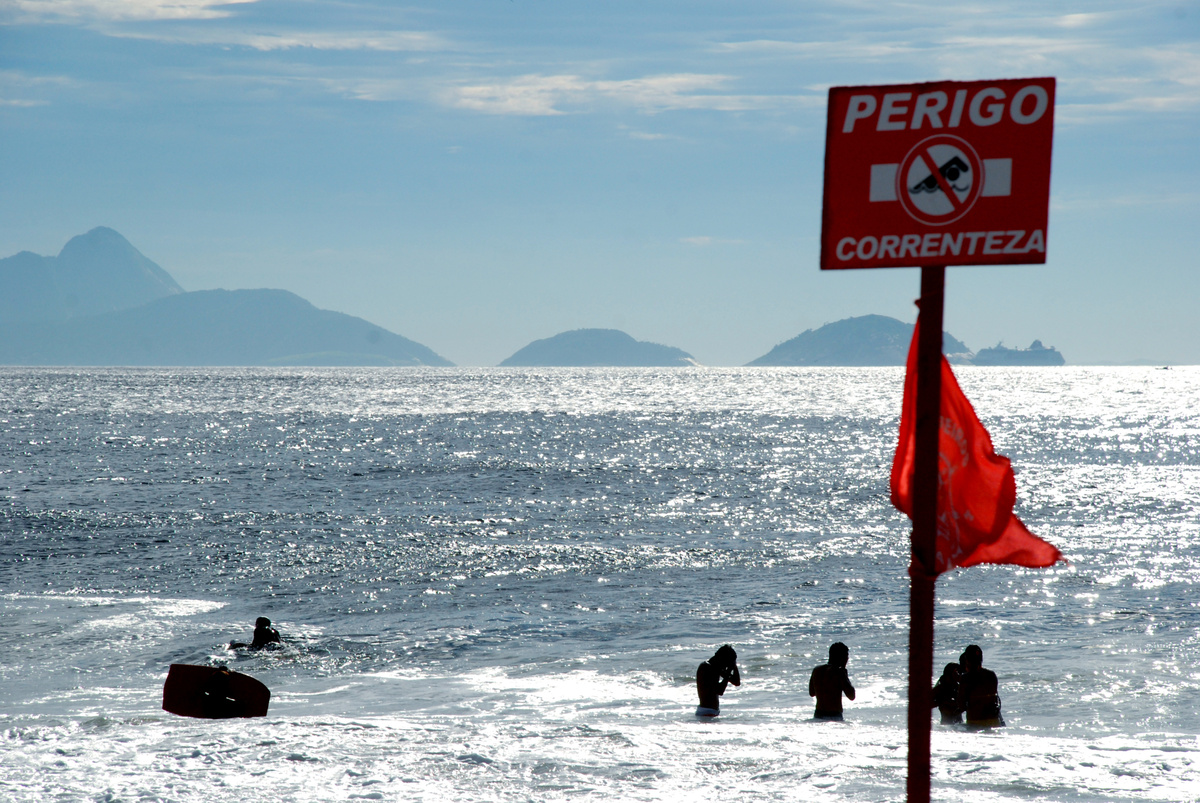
497, 584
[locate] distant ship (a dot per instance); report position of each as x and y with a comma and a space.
1036, 354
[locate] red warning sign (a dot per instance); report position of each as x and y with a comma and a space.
945, 173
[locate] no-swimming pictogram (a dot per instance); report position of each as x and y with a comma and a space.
939, 179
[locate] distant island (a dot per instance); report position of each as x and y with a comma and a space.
101, 302
597, 347
1036, 354
879, 340
863, 341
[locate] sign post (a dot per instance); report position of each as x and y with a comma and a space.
924, 534
929, 175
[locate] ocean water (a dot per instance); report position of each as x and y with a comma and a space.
496, 584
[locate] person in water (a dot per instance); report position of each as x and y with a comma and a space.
264, 635
978, 693
945, 694
829, 681
712, 677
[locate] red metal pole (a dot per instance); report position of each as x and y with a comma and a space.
924, 534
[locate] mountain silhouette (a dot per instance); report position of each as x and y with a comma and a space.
213, 327
865, 340
94, 273
101, 302
597, 347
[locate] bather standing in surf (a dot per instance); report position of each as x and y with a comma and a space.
712, 677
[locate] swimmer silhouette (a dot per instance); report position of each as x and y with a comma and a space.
711, 678
829, 681
978, 693
945, 694
950, 171
264, 634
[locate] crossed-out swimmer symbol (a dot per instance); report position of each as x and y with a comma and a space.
940, 179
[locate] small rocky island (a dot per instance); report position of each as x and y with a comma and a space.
863, 341
879, 340
599, 348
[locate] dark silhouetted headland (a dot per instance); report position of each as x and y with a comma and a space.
865, 340
598, 347
100, 302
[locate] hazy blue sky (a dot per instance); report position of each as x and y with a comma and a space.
476, 175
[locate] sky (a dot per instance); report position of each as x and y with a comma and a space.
478, 174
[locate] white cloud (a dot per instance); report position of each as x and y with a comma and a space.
122, 10
1103, 73
382, 41
1079, 20
679, 91
650, 137
842, 50
1129, 83
704, 241
547, 94
527, 95
542, 95
1181, 65
393, 41
110, 18
16, 88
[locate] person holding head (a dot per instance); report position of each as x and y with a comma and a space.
829, 681
712, 676
945, 694
978, 693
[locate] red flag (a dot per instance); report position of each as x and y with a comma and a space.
976, 487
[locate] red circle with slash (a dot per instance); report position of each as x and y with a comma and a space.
940, 179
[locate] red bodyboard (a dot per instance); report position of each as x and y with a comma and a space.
208, 692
